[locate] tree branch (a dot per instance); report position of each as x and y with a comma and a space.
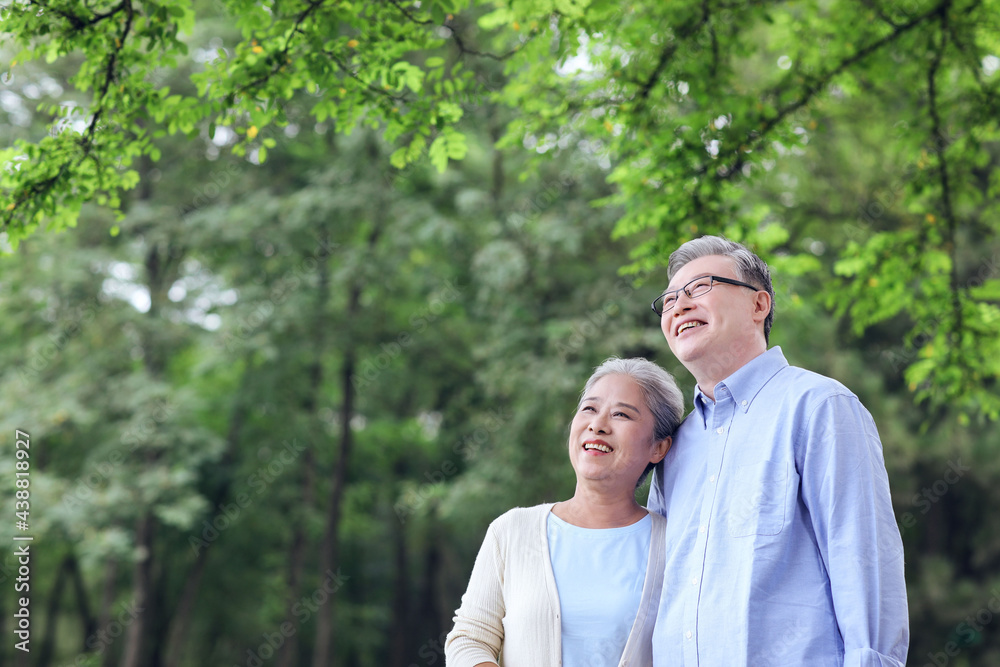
86, 141
666, 55
972, 62
77, 22
464, 50
281, 57
818, 84
408, 15
940, 144
873, 5
351, 73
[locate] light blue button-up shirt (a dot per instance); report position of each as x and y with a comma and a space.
782, 547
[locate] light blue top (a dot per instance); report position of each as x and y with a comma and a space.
782, 547
599, 575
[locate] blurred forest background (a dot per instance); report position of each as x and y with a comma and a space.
275, 405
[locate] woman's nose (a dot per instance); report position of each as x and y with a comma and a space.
597, 425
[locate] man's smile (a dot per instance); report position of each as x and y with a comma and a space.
690, 324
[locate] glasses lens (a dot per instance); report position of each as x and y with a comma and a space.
699, 287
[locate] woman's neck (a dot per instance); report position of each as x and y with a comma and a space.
589, 509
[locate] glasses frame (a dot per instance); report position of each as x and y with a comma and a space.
713, 279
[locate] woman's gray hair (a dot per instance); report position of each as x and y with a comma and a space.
749, 267
663, 397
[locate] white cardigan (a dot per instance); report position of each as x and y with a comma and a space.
511, 608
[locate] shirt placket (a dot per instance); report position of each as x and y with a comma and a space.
718, 419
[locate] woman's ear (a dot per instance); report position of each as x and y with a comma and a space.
661, 448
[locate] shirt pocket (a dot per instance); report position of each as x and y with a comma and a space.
758, 506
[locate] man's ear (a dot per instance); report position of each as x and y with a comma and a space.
761, 306
661, 448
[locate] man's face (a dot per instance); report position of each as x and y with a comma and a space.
716, 329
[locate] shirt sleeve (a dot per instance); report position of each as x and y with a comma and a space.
845, 488
478, 633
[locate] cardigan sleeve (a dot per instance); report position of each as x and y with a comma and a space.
478, 633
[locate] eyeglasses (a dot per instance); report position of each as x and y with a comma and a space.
694, 289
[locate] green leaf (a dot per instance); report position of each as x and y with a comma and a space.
496, 19
439, 153
989, 290
398, 158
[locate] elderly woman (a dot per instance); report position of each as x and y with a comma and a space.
578, 582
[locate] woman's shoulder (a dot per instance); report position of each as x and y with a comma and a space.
521, 517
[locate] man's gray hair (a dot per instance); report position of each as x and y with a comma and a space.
749, 267
663, 397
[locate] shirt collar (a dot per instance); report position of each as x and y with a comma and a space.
701, 406
745, 383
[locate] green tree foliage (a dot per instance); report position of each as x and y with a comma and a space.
691, 103
282, 374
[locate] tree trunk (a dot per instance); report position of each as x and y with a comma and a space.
107, 600
330, 550
52, 616
159, 617
180, 626
288, 653
4, 579
161, 262
142, 594
429, 599
401, 625
82, 600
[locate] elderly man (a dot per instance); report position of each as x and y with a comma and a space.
782, 547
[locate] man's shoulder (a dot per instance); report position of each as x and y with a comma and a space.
771, 377
803, 396
799, 383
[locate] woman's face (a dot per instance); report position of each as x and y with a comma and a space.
611, 437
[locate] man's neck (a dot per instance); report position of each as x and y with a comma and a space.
720, 367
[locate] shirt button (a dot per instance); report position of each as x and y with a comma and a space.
701, 529
689, 634
712, 479
720, 430
694, 581
743, 403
